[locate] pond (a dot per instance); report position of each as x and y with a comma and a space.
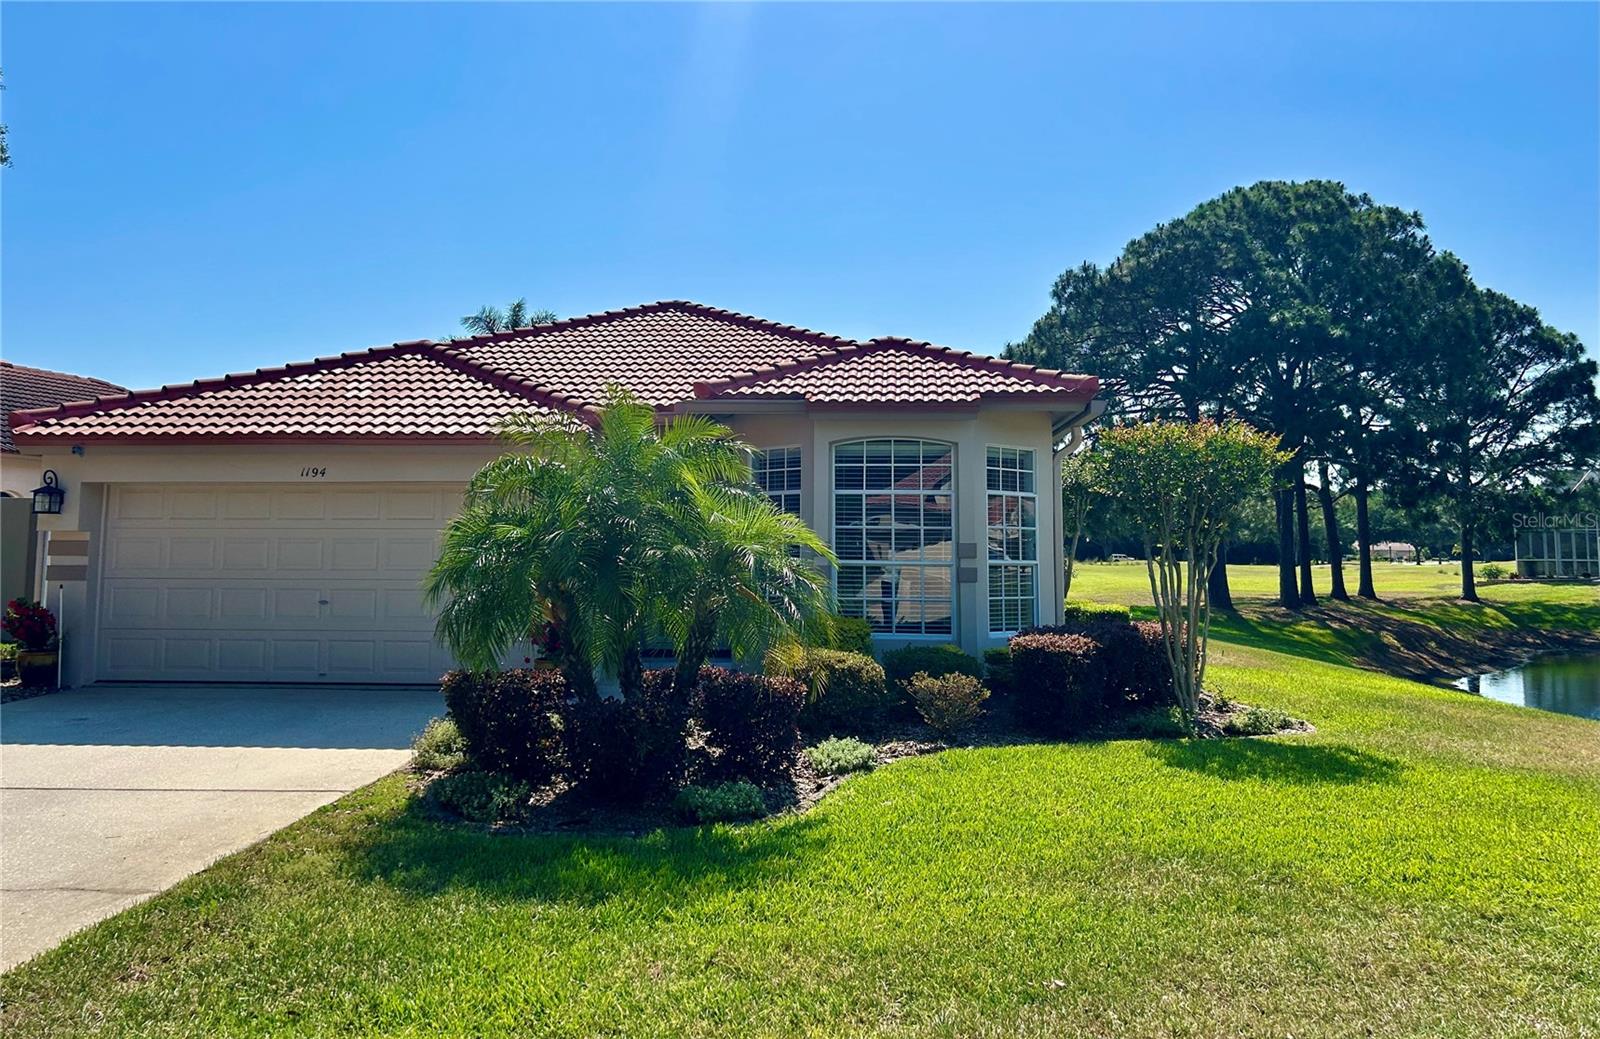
1565, 684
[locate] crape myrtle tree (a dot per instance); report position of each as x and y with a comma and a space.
602, 535
1272, 303
1181, 484
1082, 487
1505, 398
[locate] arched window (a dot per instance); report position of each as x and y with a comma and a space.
894, 533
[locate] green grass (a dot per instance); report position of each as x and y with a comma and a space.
1416, 627
1425, 864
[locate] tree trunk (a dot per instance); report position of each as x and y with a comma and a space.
1364, 539
1288, 591
1218, 594
1469, 583
1071, 560
1330, 523
697, 647
1308, 593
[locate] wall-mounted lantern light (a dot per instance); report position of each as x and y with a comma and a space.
47, 499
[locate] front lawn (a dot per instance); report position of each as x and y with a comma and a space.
1425, 864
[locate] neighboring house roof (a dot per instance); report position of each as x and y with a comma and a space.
22, 388
670, 354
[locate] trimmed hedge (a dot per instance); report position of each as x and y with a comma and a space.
1105, 668
935, 661
511, 721
751, 722
848, 692
629, 750
1085, 612
1063, 690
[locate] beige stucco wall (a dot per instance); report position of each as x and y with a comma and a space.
86, 476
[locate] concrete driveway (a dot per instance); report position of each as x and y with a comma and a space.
112, 794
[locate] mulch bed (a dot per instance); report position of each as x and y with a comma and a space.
563, 809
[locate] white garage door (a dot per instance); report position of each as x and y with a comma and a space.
270, 583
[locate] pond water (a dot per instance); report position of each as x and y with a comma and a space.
1565, 684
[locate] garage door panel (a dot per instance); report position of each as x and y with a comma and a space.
355, 554
134, 553
246, 554
271, 584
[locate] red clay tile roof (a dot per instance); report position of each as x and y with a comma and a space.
663, 352
22, 387
406, 390
894, 372
658, 350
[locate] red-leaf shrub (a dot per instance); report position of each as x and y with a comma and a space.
628, 750
1132, 660
511, 721
751, 722
30, 624
1058, 682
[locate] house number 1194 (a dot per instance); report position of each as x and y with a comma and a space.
311, 472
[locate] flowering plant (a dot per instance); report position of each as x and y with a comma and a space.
33, 626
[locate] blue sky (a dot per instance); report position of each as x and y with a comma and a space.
208, 188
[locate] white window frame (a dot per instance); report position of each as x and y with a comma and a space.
992, 564
797, 453
952, 564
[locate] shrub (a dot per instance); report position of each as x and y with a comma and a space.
1493, 572
511, 721
483, 797
1131, 660
1256, 721
997, 669
851, 635
439, 747
948, 703
935, 661
845, 692
1063, 685
841, 755
1085, 612
725, 802
750, 721
628, 750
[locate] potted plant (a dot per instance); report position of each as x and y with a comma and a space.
33, 628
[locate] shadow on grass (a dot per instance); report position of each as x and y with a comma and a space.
1298, 763
422, 856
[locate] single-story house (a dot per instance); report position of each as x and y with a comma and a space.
1395, 551
273, 526
21, 388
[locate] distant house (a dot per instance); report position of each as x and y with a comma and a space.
21, 388
1394, 551
275, 525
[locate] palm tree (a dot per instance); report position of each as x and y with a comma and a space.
618, 532
517, 315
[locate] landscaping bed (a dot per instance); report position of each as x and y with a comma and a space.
1420, 865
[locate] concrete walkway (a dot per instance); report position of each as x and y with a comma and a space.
112, 794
